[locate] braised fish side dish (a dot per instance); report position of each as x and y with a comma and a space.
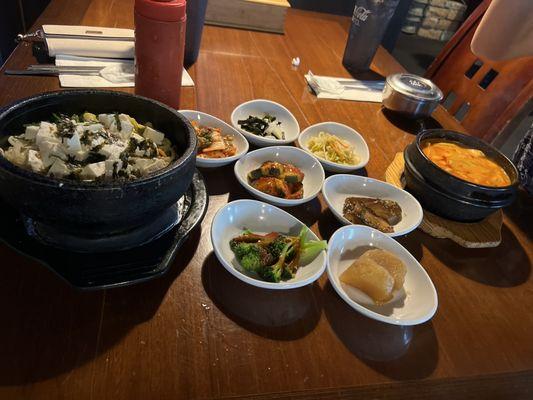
267, 126
275, 257
278, 179
377, 273
376, 213
91, 148
470, 165
212, 143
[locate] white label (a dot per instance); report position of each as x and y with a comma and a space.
360, 14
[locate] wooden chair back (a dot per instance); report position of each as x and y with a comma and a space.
483, 96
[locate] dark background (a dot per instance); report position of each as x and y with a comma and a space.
345, 7
17, 16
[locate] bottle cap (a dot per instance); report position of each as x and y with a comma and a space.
162, 10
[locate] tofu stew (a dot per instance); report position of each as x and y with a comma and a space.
88, 147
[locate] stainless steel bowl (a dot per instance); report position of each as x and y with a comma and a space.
411, 95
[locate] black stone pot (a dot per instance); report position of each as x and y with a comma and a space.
96, 208
449, 196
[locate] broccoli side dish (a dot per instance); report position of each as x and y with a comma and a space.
275, 256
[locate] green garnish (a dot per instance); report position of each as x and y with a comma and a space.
117, 120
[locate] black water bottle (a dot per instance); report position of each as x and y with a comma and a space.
193, 33
369, 22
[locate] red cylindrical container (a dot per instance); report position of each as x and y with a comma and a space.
159, 47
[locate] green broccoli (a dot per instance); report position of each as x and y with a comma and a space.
275, 272
251, 256
277, 246
275, 257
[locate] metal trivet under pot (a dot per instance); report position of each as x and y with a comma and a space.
123, 259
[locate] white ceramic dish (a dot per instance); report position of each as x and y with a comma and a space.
414, 304
338, 187
263, 218
208, 120
309, 165
343, 132
259, 108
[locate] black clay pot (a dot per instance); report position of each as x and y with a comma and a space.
96, 208
449, 196
433, 199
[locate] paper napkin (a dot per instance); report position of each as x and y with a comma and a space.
327, 87
119, 73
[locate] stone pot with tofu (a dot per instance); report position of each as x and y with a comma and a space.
105, 170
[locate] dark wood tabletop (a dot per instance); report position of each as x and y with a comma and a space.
199, 333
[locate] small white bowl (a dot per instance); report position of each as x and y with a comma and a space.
309, 165
259, 108
338, 187
343, 132
208, 120
234, 217
414, 304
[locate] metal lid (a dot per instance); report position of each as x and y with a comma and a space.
415, 87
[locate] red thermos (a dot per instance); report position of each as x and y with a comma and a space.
159, 47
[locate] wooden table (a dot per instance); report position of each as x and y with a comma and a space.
200, 333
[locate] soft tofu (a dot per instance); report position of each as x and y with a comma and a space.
143, 164
156, 136
106, 119
44, 133
94, 170
34, 161
80, 129
125, 124
16, 154
97, 141
157, 165
138, 138
15, 142
93, 127
50, 151
147, 165
31, 132
73, 143
139, 153
111, 166
48, 125
126, 127
112, 151
58, 169
42, 149
81, 155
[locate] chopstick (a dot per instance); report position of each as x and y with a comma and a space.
52, 67
50, 72
355, 82
54, 70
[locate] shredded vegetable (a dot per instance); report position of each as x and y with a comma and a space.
332, 148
